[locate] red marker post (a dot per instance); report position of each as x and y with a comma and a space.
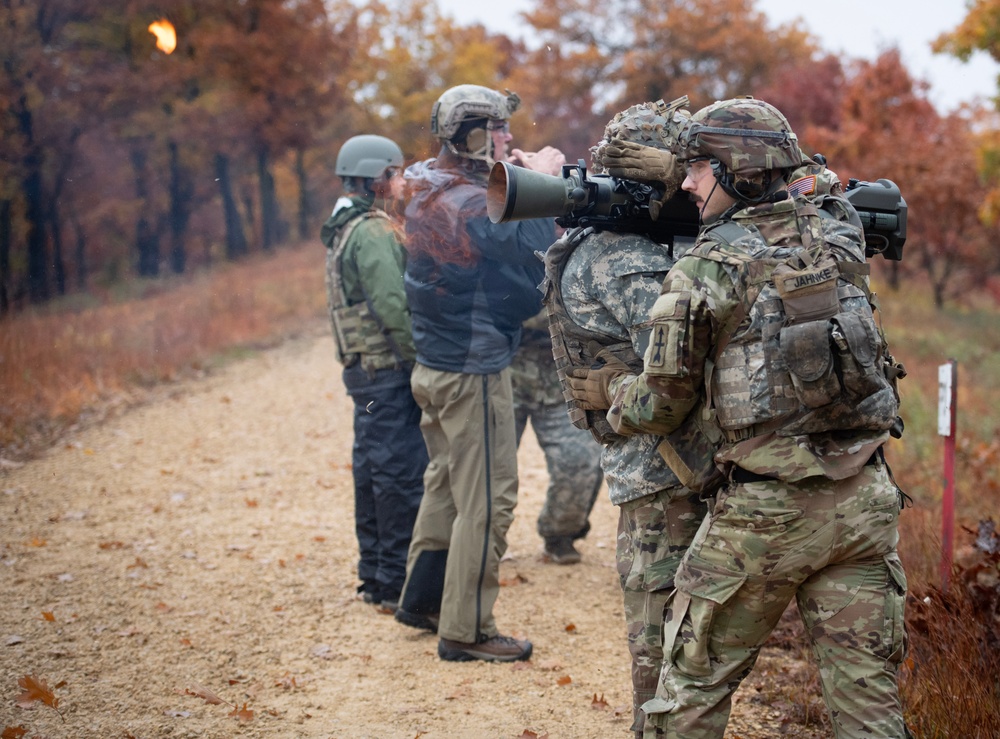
947, 402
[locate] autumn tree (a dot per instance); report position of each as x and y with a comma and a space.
46, 87
811, 97
413, 54
639, 51
281, 60
884, 125
980, 31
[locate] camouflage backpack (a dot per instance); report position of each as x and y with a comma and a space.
574, 346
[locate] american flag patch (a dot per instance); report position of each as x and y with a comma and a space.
803, 186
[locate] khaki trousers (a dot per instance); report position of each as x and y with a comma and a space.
470, 490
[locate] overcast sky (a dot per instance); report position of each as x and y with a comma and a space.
858, 28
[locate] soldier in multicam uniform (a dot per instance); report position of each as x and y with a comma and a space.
371, 328
600, 289
769, 318
571, 455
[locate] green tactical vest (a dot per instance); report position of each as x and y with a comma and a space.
357, 330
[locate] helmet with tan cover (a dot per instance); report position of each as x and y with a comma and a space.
470, 102
648, 124
462, 115
744, 139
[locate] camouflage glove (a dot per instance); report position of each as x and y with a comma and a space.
628, 160
590, 386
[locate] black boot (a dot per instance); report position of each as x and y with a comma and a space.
421, 602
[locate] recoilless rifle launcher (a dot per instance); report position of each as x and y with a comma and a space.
612, 204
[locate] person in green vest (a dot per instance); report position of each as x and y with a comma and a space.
365, 261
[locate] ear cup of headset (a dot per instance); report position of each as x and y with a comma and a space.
748, 190
476, 140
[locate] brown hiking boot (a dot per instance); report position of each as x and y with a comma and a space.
490, 649
560, 549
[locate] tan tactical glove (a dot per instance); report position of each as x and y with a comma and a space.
630, 161
590, 386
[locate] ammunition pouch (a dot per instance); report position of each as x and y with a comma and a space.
358, 331
357, 335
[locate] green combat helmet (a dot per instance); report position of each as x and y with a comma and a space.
744, 139
367, 156
460, 117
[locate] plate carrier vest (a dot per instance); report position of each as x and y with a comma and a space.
801, 353
358, 332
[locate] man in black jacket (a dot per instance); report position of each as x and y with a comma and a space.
470, 284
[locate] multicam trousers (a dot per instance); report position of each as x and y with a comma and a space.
653, 534
829, 544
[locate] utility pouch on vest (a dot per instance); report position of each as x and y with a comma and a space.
833, 360
808, 294
857, 344
357, 332
806, 351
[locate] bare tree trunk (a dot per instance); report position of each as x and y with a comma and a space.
79, 248
269, 213
236, 240
5, 239
146, 241
304, 204
894, 275
181, 199
38, 263
55, 228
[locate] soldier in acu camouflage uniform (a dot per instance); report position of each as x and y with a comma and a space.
371, 328
600, 289
572, 457
769, 316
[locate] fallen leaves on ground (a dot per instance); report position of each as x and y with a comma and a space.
599, 704
36, 690
204, 693
241, 714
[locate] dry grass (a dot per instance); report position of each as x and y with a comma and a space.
59, 364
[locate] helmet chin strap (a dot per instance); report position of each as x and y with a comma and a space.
701, 213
